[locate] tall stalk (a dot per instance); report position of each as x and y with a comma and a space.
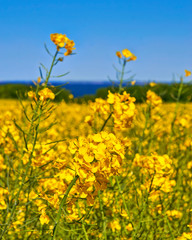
37, 113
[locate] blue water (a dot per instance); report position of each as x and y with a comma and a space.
77, 88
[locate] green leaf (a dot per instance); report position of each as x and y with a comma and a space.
47, 50
44, 68
62, 75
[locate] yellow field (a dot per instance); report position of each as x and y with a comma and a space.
133, 182
111, 169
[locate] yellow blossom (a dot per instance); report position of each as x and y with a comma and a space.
133, 82
152, 84
118, 53
187, 73
61, 41
44, 219
115, 226
45, 94
129, 227
126, 53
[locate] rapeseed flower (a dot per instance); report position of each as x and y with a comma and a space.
118, 54
187, 73
128, 56
62, 41
45, 94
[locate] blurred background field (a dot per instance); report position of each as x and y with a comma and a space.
86, 91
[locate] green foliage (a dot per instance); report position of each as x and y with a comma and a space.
85, 99
10, 91
168, 92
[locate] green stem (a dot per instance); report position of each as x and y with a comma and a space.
23, 181
49, 73
106, 122
102, 216
63, 202
35, 112
122, 75
124, 203
147, 117
169, 226
82, 223
175, 113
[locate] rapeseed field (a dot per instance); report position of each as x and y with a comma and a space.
109, 169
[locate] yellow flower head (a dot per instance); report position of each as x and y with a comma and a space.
133, 82
129, 227
126, 53
153, 99
45, 94
152, 84
62, 41
59, 39
187, 73
118, 54
69, 47
132, 58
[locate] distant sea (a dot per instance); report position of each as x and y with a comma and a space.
77, 88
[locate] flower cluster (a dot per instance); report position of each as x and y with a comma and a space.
157, 171
96, 158
3, 194
123, 109
129, 56
186, 236
173, 214
187, 73
62, 41
45, 94
120, 106
32, 95
153, 99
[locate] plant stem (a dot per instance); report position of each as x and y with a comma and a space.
82, 223
35, 112
122, 75
102, 216
106, 121
52, 65
63, 202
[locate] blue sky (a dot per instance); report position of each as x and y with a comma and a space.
158, 32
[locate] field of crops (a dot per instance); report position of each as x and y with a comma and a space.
110, 169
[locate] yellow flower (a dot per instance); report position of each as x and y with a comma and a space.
69, 47
118, 54
174, 214
129, 227
115, 226
71, 96
132, 58
133, 82
187, 73
126, 53
152, 84
153, 99
38, 79
89, 120
44, 219
32, 95
59, 39
45, 94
